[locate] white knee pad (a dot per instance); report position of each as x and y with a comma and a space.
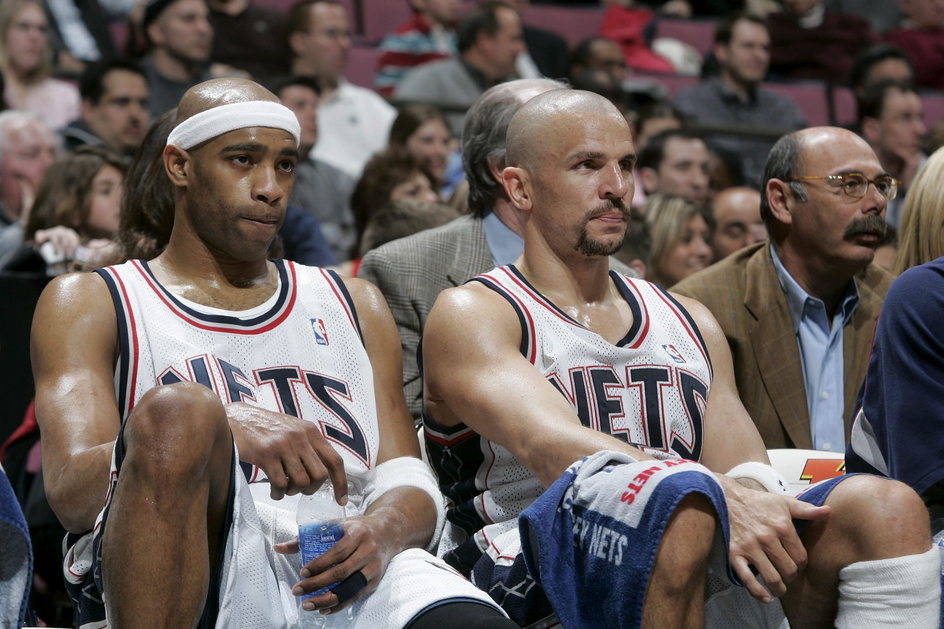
897, 592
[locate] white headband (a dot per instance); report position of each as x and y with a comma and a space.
225, 118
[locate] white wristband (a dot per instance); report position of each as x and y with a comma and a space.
407, 471
768, 477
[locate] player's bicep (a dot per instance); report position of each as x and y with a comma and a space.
73, 347
475, 374
730, 435
397, 434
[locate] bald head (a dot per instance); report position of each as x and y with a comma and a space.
216, 92
529, 134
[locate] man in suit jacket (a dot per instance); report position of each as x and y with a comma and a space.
799, 312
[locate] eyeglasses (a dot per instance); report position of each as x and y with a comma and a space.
856, 185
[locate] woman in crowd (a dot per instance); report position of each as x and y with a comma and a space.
26, 61
81, 191
421, 131
679, 233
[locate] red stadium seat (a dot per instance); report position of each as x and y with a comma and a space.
574, 24
361, 65
699, 34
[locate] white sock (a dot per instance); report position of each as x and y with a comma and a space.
897, 592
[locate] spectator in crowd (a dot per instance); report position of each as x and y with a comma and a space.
147, 216
654, 118
545, 52
79, 31
353, 122
320, 188
27, 149
734, 97
178, 39
114, 108
895, 427
676, 162
540, 405
598, 55
26, 61
724, 169
799, 312
401, 218
429, 35
388, 176
249, 37
81, 192
877, 63
737, 221
489, 41
881, 14
891, 119
422, 131
921, 36
809, 41
171, 431
679, 234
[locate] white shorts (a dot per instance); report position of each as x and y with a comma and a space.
255, 582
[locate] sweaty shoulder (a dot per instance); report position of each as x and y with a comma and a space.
76, 293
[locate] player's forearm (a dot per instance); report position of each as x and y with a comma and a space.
77, 485
406, 517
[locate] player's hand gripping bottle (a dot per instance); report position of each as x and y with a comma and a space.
320, 524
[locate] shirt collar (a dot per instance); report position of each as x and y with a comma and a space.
730, 96
797, 298
504, 244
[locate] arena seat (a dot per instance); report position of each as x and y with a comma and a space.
382, 17
700, 34
809, 95
802, 468
574, 24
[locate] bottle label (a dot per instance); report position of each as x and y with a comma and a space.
316, 539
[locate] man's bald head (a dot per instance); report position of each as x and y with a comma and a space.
216, 92
531, 132
214, 108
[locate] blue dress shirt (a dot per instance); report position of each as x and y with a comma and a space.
504, 244
820, 342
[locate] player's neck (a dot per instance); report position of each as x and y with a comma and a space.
199, 276
573, 281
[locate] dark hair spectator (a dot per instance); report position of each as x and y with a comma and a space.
92, 81
782, 163
872, 101
387, 177
654, 118
402, 218
654, 153
422, 131
481, 19
867, 61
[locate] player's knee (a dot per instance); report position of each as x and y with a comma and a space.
686, 544
887, 515
176, 427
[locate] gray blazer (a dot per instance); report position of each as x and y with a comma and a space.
412, 271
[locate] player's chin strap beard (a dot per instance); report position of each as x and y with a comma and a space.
216, 121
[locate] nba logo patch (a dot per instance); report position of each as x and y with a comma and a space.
321, 334
673, 353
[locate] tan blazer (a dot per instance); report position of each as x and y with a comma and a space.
744, 295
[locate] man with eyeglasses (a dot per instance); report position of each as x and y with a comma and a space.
799, 311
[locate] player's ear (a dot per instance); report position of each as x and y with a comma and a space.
515, 182
177, 164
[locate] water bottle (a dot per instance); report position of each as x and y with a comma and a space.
320, 524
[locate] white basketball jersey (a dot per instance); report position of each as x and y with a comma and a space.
650, 389
299, 353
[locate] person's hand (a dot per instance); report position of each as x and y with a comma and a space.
291, 451
764, 541
64, 240
362, 549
